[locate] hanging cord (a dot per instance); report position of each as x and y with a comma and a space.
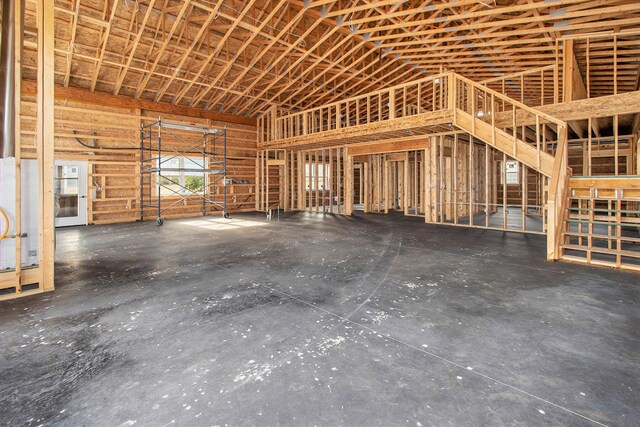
487, 4
71, 49
136, 7
6, 223
93, 147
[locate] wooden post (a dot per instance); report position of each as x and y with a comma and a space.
316, 181
45, 140
266, 185
331, 181
258, 168
348, 182
361, 182
525, 194
367, 184
405, 187
503, 173
385, 180
471, 181
301, 181
339, 173
454, 171
440, 180
416, 183
487, 166
285, 189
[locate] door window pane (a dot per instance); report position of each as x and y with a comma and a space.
66, 191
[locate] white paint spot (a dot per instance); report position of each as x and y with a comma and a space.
258, 373
328, 343
379, 317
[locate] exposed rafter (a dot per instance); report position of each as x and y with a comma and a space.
244, 57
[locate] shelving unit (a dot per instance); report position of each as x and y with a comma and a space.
169, 150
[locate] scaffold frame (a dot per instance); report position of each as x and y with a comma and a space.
156, 193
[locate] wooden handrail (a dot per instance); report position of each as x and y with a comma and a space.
449, 92
362, 97
512, 101
367, 95
329, 116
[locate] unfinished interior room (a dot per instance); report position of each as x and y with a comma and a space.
320, 212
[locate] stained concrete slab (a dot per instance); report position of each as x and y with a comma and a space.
319, 320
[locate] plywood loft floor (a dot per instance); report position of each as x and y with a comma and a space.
289, 324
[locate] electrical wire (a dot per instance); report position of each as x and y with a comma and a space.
93, 147
488, 5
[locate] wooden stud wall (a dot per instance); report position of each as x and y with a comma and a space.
114, 174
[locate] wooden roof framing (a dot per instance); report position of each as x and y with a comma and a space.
244, 57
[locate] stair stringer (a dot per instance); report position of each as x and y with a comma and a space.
504, 142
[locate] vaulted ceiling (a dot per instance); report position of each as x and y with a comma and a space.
242, 57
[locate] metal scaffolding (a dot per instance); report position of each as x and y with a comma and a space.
171, 152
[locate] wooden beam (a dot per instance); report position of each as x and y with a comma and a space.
573, 87
121, 101
420, 143
604, 106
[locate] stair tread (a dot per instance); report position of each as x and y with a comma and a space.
606, 251
602, 236
598, 263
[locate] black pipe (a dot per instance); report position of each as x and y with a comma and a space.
10, 77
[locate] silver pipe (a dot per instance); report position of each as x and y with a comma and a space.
9, 74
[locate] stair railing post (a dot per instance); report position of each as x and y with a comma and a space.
515, 133
472, 94
451, 82
493, 120
392, 104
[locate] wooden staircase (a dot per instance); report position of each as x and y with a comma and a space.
435, 105
601, 225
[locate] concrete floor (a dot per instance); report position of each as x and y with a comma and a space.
319, 320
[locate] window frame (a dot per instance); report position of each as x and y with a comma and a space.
194, 163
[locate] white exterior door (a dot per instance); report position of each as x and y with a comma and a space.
70, 189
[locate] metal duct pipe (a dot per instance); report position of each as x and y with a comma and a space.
8, 74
